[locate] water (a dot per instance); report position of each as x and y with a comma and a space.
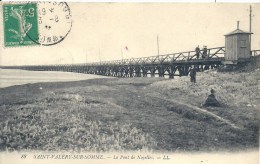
11, 77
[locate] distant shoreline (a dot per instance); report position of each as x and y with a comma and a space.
12, 77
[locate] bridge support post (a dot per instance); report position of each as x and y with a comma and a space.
131, 71
171, 72
152, 70
144, 72
137, 71
161, 71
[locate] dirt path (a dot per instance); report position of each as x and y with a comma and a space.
188, 106
202, 111
148, 110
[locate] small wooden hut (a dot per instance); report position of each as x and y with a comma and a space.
237, 45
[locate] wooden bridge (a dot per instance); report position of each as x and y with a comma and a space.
170, 65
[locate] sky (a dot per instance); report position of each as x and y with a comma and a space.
101, 31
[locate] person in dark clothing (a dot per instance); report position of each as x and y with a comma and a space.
204, 53
193, 75
211, 100
197, 50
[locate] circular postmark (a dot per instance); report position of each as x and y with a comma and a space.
54, 23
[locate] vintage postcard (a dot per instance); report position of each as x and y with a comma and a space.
129, 82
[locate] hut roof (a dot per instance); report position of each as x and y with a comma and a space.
238, 31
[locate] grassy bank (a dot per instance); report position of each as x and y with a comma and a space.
132, 114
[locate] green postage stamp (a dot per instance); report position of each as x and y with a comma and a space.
20, 24
36, 23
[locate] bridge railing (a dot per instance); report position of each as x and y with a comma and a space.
217, 52
212, 53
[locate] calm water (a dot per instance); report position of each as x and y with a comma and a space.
10, 77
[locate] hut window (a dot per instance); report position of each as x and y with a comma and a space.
243, 44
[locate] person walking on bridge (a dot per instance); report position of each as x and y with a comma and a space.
197, 50
205, 52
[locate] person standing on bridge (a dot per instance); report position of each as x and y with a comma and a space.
205, 52
197, 50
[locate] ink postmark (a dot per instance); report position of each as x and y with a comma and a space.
41, 23
54, 21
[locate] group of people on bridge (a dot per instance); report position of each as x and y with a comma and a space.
204, 52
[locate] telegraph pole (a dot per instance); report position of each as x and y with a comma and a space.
99, 55
250, 24
250, 19
86, 57
158, 46
122, 55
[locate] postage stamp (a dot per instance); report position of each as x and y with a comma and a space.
36, 23
20, 22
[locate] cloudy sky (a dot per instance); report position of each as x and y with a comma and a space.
101, 30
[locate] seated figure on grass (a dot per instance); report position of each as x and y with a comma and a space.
211, 100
